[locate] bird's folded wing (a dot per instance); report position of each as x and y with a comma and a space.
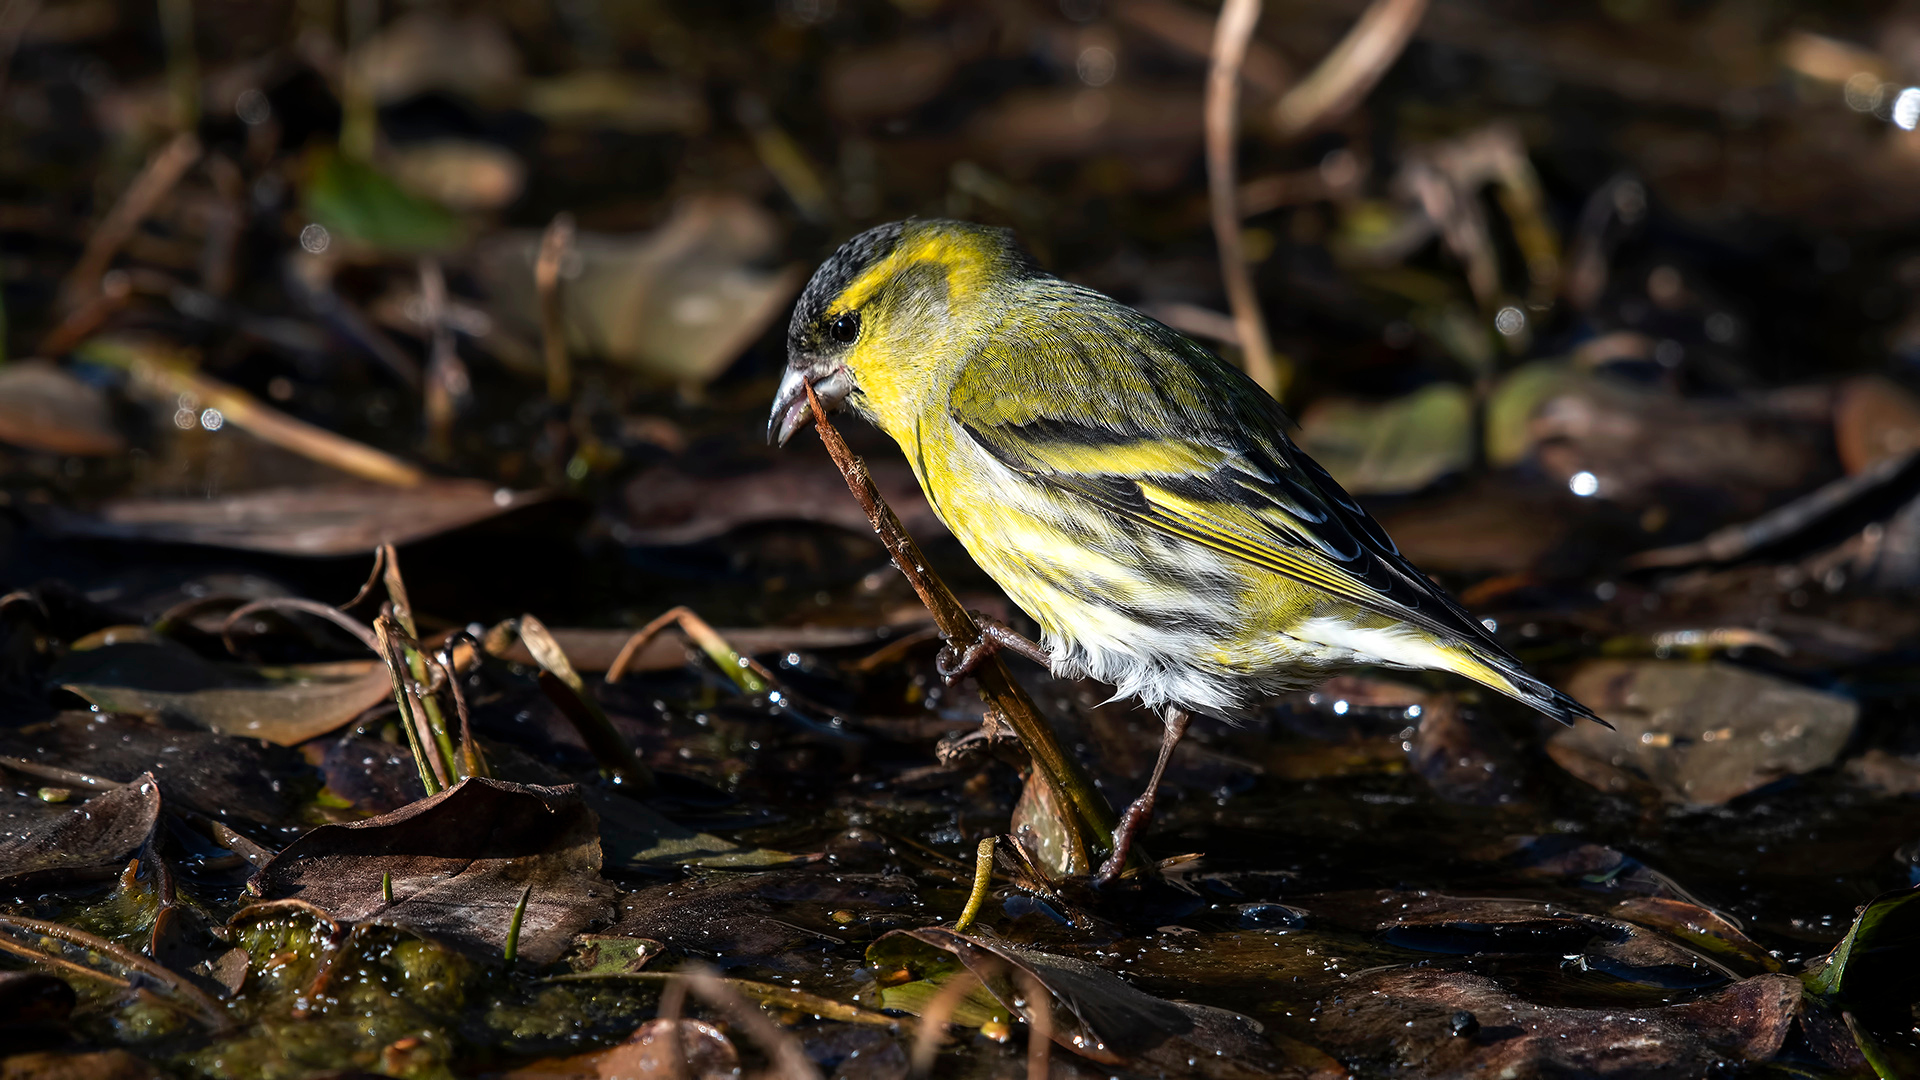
1245, 502
1096, 401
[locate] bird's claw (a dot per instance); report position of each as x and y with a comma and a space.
954, 664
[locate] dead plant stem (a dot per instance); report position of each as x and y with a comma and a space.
996, 683
1231, 34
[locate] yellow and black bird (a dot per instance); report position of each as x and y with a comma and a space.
1134, 493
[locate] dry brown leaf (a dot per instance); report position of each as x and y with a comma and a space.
43, 407
324, 521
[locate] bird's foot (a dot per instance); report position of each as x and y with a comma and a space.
1140, 810
954, 664
1132, 820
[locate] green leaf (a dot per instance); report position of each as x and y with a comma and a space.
160, 678
1392, 447
359, 204
605, 954
1890, 922
638, 837
1872, 976
1512, 404
977, 1008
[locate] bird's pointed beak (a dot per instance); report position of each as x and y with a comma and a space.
791, 412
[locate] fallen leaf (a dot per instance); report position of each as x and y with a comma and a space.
1513, 402
240, 782
759, 919
285, 705
44, 407
1026, 126
1880, 944
460, 173
1392, 447
667, 505
1481, 926
1702, 929
1094, 1012
1874, 418
1045, 827
888, 80
76, 1065
1405, 1020
359, 204
323, 521
1490, 525
459, 863
616, 100
1728, 458
679, 303
594, 650
1464, 756
705, 1054
421, 51
1701, 734
638, 837
611, 954
92, 840
373, 775
1888, 774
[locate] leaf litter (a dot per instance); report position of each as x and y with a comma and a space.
503, 290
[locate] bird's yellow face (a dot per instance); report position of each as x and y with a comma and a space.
890, 315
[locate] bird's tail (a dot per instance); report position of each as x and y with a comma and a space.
1504, 674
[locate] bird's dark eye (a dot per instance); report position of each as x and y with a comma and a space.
845, 327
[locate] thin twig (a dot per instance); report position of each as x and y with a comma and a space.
183, 63
210, 1009
89, 315
567, 690
446, 764
225, 225
932, 1028
374, 577
782, 156
1352, 69
996, 683
360, 117
15, 17
1039, 1023
673, 998
387, 629
65, 777
555, 245
61, 963
172, 376
472, 762
448, 384
162, 171
311, 607
1235, 28
747, 673
894, 651
789, 1059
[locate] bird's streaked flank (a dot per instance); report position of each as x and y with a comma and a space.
1131, 491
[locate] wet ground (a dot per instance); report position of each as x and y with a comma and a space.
1609, 313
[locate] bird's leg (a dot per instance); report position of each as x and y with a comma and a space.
1137, 813
954, 664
